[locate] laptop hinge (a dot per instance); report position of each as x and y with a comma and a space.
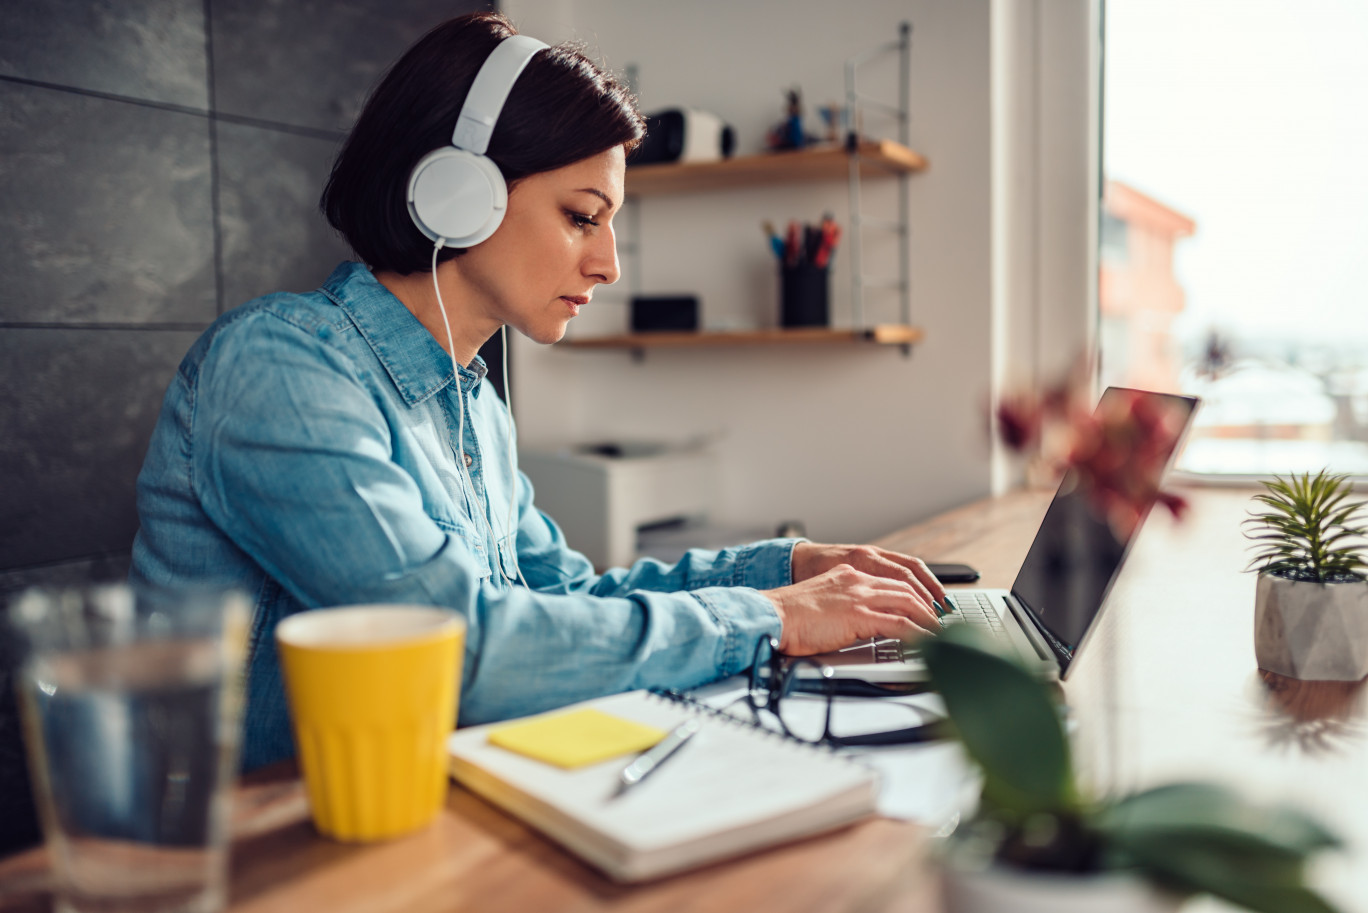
1045, 643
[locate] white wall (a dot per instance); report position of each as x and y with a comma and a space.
853, 440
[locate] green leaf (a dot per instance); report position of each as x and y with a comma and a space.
1331, 508
1195, 864
1342, 534
1199, 837
1212, 810
1008, 722
1192, 867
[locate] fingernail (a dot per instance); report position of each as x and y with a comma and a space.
940, 613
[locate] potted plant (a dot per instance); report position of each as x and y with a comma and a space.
1038, 842
1311, 604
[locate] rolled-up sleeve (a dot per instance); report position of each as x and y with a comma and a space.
293, 458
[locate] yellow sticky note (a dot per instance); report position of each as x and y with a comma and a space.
576, 738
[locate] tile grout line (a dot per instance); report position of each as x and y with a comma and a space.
239, 119
190, 326
108, 555
214, 191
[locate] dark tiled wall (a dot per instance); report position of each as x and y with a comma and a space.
160, 162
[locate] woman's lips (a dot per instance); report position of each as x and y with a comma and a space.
575, 302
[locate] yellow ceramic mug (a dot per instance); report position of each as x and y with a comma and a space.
373, 694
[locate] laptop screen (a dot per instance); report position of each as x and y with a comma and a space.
1079, 549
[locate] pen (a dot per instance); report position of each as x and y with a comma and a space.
793, 249
776, 243
830, 234
649, 760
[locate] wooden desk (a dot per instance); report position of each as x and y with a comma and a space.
475, 858
1168, 688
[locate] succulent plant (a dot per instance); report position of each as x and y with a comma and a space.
1187, 838
1310, 531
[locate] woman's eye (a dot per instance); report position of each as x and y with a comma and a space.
581, 220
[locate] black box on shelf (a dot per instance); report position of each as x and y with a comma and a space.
664, 312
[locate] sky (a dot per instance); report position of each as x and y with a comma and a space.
1250, 117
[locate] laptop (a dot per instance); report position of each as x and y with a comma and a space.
1059, 593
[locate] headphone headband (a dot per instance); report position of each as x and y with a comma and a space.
490, 90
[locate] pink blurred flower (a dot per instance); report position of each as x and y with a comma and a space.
1118, 452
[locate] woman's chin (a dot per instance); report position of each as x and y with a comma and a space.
547, 335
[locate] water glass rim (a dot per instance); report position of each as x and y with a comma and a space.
59, 619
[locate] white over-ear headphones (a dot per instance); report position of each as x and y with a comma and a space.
457, 195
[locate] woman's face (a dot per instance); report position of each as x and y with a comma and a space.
554, 246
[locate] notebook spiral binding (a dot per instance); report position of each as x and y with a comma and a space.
681, 697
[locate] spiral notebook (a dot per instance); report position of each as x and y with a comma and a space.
734, 788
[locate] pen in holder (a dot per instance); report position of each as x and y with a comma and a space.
805, 293
804, 255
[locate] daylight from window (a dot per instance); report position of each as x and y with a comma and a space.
1234, 233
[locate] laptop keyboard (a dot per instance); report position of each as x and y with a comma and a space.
972, 608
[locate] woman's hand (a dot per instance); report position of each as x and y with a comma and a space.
845, 593
811, 559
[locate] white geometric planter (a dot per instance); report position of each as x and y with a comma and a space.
1311, 631
998, 889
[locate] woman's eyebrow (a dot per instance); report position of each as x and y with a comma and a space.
600, 194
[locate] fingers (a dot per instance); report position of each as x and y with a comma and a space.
895, 566
898, 598
918, 567
811, 560
886, 596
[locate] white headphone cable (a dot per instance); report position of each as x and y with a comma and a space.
512, 470
463, 471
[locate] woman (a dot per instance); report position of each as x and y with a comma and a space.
307, 448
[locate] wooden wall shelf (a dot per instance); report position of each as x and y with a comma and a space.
883, 334
824, 163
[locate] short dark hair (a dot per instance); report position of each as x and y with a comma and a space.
563, 108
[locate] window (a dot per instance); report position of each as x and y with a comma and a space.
1234, 233
1113, 237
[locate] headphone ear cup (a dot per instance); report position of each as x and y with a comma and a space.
457, 197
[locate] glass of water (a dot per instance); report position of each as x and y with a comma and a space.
132, 707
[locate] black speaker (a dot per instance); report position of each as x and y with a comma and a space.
664, 312
684, 135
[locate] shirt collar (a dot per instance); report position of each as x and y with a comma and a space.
418, 366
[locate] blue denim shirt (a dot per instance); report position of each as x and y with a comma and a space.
305, 454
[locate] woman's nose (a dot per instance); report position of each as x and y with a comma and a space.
601, 262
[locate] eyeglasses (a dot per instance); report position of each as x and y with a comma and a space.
777, 683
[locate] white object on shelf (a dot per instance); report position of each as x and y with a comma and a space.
599, 501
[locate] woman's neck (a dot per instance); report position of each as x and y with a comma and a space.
416, 292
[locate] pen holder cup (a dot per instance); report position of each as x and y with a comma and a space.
804, 296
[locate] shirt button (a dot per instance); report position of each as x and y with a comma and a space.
468, 459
